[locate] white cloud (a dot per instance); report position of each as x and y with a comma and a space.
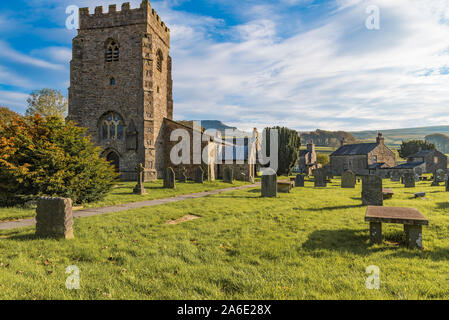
61, 55
14, 100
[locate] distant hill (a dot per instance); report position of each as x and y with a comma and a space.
394, 137
327, 138
215, 124
441, 141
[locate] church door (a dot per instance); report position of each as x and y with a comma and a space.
114, 159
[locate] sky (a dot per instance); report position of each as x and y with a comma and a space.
304, 64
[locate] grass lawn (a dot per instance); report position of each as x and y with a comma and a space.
309, 244
123, 193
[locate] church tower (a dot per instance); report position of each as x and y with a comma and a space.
121, 85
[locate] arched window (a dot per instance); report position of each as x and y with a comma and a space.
112, 51
160, 59
112, 81
111, 127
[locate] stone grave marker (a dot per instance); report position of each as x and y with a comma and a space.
228, 175
169, 179
319, 177
139, 188
435, 182
409, 180
183, 176
199, 175
269, 183
372, 191
299, 180
395, 176
54, 218
348, 179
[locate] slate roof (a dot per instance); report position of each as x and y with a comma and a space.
376, 165
354, 149
420, 154
408, 165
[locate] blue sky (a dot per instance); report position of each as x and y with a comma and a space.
304, 64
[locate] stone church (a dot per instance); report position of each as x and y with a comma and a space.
121, 91
121, 85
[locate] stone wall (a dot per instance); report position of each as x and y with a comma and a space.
357, 164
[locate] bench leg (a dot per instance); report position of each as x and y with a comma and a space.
413, 236
375, 232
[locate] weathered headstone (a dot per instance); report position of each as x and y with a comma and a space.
348, 179
447, 184
199, 175
169, 179
319, 177
269, 183
228, 175
420, 195
372, 191
435, 182
284, 186
299, 180
54, 218
139, 189
409, 180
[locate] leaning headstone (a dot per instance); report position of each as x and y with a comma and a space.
409, 180
372, 191
319, 177
299, 180
440, 175
447, 184
420, 195
348, 179
54, 218
169, 179
269, 183
139, 188
228, 175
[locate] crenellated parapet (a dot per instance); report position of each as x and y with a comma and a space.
125, 17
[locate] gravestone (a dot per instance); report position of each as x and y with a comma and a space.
139, 188
441, 175
269, 183
319, 177
435, 182
299, 180
54, 218
228, 175
372, 191
447, 184
183, 176
169, 179
417, 177
348, 179
199, 175
395, 176
409, 180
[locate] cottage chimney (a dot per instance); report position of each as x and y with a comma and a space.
380, 139
342, 142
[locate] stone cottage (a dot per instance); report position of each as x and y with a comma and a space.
431, 159
307, 160
361, 157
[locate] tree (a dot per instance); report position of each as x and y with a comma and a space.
47, 103
7, 115
288, 149
413, 146
322, 159
47, 157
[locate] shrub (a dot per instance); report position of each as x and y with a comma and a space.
322, 159
45, 156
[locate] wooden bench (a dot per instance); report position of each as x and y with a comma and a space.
285, 186
411, 218
387, 193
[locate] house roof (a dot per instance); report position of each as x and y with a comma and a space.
355, 149
409, 165
421, 153
376, 165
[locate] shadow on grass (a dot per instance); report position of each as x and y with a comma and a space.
442, 205
332, 208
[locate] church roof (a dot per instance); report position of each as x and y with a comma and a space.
355, 149
421, 153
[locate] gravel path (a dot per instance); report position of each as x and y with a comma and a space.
124, 207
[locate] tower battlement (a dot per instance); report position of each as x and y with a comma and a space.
126, 16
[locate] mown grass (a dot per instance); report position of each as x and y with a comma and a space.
123, 193
310, 244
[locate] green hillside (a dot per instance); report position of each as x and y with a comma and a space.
394, 137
